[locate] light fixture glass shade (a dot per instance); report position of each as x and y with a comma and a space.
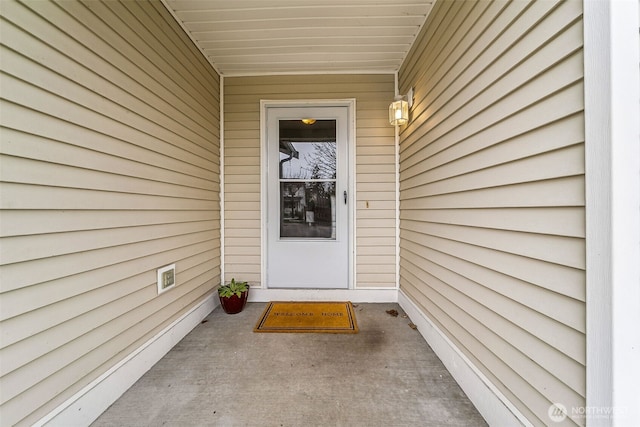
399, 112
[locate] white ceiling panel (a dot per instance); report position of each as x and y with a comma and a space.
257, 37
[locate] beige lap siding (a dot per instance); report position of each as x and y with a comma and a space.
374, 174
110, 170
492, 193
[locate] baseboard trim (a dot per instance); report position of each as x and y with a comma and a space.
86, 405
490, 402
353, 295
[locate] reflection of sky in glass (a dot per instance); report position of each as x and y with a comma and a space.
302, 167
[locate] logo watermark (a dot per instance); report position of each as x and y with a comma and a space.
558, 412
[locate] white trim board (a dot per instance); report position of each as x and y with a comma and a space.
222, 190
494, 407
353, 295
612, 162
88, 404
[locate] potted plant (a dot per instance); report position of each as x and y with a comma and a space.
233, 296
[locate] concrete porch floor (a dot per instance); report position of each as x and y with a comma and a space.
224, 374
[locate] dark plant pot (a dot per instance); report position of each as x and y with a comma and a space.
234, 304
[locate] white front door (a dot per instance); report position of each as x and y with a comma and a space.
307, 197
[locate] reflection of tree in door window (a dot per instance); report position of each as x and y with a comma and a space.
319, 193
308, 160
322, 161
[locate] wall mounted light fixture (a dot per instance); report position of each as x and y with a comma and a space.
399, 109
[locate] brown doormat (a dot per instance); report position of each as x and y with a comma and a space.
320, 317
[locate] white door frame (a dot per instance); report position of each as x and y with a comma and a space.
351, 142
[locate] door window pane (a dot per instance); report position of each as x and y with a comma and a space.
307, 210
307, 173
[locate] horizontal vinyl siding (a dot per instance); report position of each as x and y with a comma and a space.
110, 170
375, 170
492, 193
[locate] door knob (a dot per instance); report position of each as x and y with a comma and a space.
345, 197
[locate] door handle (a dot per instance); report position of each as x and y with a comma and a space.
345, 197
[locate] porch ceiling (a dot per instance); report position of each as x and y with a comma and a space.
258, 37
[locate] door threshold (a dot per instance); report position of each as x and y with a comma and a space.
353, 295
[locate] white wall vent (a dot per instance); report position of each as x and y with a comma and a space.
166, 278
